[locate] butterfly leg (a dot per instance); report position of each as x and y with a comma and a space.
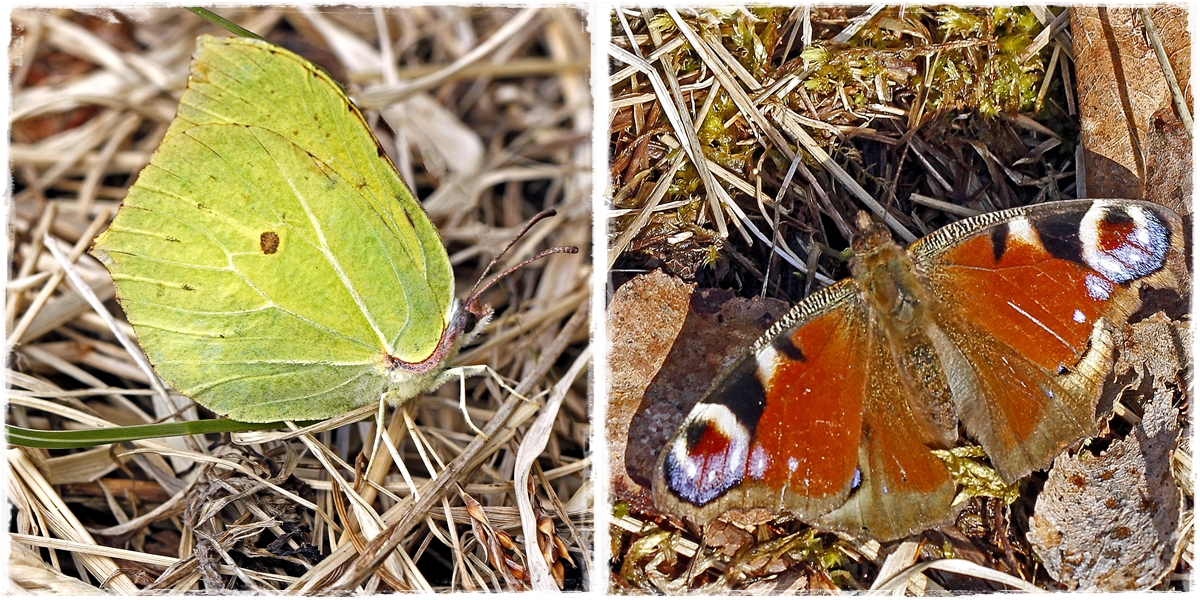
500, 381
472, 371
463, 373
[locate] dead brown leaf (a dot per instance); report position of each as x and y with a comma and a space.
1120, 87
1112, 522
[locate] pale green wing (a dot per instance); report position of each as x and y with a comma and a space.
270, 255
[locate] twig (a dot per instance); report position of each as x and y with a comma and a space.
1177, 96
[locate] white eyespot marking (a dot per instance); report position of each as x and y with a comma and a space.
759, 461
699, 479
1141, 235
1098, 288
683, 461
1119, 251
767, 359
1022, 231
1079, 317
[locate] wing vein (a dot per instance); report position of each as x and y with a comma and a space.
315, 221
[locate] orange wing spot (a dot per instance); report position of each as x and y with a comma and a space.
709, 443
268, 242
1029, 300
1114, 235
808, 434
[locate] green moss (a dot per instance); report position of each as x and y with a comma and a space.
712, 254
987, 75
620, 509
751, 50
815, 55
1002, 83
959, 22
720, 143
662, 22
831, 70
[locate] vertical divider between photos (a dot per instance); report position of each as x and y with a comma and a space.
599, 18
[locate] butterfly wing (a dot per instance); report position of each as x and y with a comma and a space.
269, 254
1029, 299
810, 420
900, 487
780, 429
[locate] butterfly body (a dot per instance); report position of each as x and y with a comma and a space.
1002, 322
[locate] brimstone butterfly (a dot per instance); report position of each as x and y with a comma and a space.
270, 259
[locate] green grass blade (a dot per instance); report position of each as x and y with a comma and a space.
83, 438
224, 23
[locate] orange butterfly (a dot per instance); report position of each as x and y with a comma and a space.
1003, 321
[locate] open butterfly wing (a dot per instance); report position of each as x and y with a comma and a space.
780, 429
270, 255
808, 422
1030, 296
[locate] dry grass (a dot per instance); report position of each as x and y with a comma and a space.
796, 137
744, 140
492, 123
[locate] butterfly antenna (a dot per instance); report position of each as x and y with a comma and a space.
478, 291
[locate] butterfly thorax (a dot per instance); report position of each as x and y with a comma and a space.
900, 310
888, 283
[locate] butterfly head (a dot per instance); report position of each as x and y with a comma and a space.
871, 236
873, 248
469, 318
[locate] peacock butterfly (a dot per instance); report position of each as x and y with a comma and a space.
1003, 322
